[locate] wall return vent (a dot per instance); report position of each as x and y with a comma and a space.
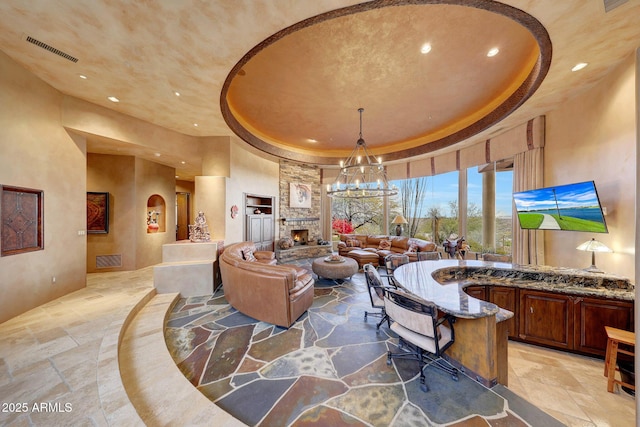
108, 261
51, 49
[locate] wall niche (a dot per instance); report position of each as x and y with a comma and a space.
156, 214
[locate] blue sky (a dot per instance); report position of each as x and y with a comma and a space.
443, 188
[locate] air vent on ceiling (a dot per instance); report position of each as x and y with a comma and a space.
609, 5
51, 49
108, 261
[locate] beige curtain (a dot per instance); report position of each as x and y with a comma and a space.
527, 245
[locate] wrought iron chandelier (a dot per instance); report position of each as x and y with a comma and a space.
361, 175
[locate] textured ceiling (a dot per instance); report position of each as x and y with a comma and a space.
278, 73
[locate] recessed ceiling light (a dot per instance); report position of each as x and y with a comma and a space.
313, 141
156, 154
426, 48
183, 162
82, 76
195, 124
493, 52
176, 93
113, 99
579, 66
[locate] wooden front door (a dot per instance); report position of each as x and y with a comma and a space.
182, 216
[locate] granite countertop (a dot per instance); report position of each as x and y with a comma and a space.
443, 282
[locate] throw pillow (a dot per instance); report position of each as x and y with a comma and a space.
248, 255
353, 243
384, 245
413, 247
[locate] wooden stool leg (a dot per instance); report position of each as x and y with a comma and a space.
607, 358
611, 366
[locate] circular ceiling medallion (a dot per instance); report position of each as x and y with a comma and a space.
296, 94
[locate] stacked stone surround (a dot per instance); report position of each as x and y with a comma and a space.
299, 218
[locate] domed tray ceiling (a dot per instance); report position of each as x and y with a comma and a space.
296, 95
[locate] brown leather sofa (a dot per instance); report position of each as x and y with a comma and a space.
277, 294
374, 243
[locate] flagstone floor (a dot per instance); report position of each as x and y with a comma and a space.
328, 369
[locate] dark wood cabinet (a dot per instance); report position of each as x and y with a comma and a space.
477, 291
546, 318
565, 322
592, 315
506, 298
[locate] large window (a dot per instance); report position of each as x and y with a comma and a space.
431, 207
474, 233
504, 210
361, 216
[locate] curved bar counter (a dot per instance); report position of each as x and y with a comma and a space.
480, 346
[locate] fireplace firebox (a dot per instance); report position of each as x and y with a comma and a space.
299, 237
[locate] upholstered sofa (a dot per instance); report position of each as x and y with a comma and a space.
384, 245
256, 286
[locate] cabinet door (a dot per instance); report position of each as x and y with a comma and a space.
592, 315
267, 232
477, 291
254, 229
506, 298
546, 318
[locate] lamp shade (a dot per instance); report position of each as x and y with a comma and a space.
399, 219
593, 246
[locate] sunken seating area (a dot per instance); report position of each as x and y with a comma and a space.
276, 294
382, 246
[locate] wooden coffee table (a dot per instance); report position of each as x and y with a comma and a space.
334, 270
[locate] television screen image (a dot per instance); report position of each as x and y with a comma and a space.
572, 207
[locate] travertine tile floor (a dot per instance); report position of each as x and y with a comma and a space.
50, 355
569, 387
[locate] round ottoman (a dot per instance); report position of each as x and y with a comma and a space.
334, 270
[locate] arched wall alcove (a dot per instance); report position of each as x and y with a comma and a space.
156, 214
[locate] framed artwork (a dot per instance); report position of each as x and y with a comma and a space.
21, 220
299, 195
97, 212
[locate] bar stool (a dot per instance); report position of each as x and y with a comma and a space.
615, 337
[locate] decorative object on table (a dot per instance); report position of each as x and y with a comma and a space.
152, 221
299, 195
199, 232
234, 211
21, 220
97, 212
398, 221
257, 211
593, 246
361, 175
334, 258
286, 243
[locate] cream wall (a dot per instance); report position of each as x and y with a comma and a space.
36, 152
250, 173
593, 137
115, 175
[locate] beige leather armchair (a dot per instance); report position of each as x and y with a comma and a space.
277, 294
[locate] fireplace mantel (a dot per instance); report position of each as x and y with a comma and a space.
284, 220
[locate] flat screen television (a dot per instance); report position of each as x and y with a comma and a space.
572, 207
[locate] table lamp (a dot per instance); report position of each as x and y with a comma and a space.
593, 246
398, 221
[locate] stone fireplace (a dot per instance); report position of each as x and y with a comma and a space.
301, 224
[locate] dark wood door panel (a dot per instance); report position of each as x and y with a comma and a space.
546, 318
592, 315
